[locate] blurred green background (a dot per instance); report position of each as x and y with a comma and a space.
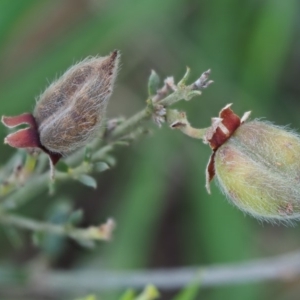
156, 191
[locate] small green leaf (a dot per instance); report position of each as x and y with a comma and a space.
189, 293
128, 295
30, 163
38, 238
101, 167
87, 154
14, 237
185, 78
76, 217
61, 166
122, 143
89, 297
153, 83
88, 181
89, 244
111, 161
149, 293
59, 210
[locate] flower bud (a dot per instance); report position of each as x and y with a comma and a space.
258, 169
69, 113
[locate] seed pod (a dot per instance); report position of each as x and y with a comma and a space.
258, 169
71, 110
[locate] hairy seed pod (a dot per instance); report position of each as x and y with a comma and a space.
70, 111
258, 169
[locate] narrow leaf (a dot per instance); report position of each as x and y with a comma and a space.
188, 293
61, 166
128, 295
89, 297
101, 167
111, 161
153, 83
38, 238
76, 217
88, 181
89, 244
87, 154
149, 293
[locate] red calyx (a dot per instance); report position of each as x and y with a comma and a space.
222, 129
27, 137
228, 125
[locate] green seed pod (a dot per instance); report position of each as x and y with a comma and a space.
258, 169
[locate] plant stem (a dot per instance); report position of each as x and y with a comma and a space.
38, 184
183, 92
33, 187
131, 123
282, 267
90, 233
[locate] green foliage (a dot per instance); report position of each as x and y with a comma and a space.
156, 191
188, 293
149, 293
89, 297
153, 83
88, 181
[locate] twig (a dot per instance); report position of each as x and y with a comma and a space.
92, 233
38, 184
283, 267
131, 123
33, 187
180, 92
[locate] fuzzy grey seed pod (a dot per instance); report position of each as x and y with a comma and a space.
70, 111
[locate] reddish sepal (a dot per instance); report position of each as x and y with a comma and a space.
24, 138
220, 131
230, 122
210, 171
25, 118
28, 137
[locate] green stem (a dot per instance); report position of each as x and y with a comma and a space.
34, 187
90, 233
38, 184
192, 132
131, 123
183, 92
